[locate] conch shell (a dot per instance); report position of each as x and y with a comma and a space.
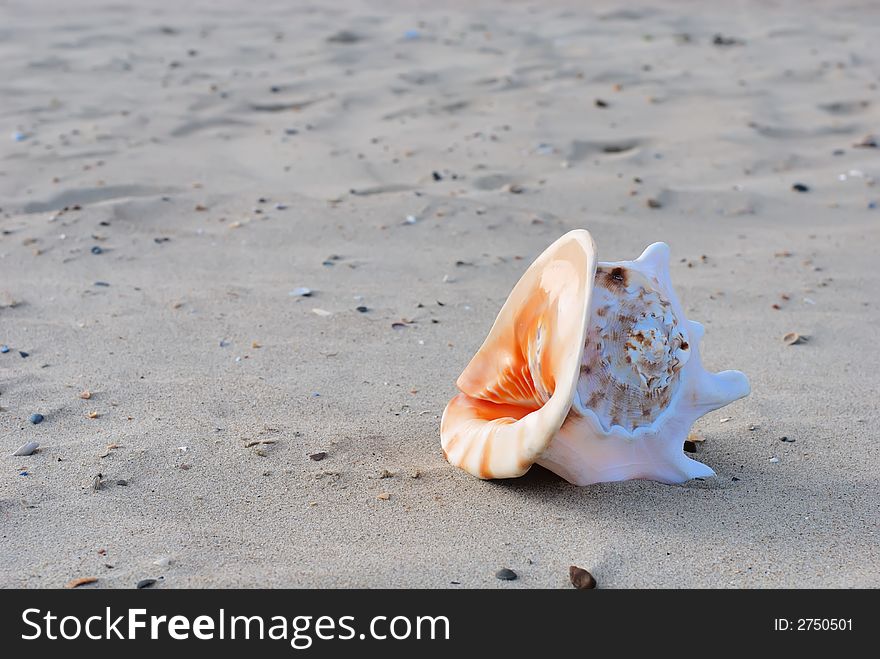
591, 370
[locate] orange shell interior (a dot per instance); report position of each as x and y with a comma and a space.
517, 389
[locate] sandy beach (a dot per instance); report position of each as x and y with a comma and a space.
173, 175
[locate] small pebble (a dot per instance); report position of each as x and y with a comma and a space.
4, 349
321, 312
102, 283
690, 447
653, 203
145, 583
774, 460
85, 395
18, 136
27, 449
24, 354
384, 496
721, 40
122, 482
362, 309
580, 578
97, 250
506, 574
162, 561
800, 187
410, 219
601, 104
36, 418
437, 176
344, 36
320, 455
786, 440
302, 291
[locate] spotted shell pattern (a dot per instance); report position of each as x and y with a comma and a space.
634, 352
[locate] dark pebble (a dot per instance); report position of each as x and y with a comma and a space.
161, 240
320, 455
36, 418
145, 583
122, 482
580, 578
291, 131
786, 440
362, 309
506, 574
274, 89
344, 36
437, 176
689, 446
800, 187
97, 250
721, 40
102, 283
24, 354
735, 479
653, 203
601, 104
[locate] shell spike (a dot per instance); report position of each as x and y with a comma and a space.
720, 389
655, 258
694, 469
696, 331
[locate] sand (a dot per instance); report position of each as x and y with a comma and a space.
162, 127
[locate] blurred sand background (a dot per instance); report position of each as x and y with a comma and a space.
223, 154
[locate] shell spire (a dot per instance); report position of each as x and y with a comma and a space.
591, 370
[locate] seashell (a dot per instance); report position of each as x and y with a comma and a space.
27, 449
590, 370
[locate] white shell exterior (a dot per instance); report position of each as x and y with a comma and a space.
583, 452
